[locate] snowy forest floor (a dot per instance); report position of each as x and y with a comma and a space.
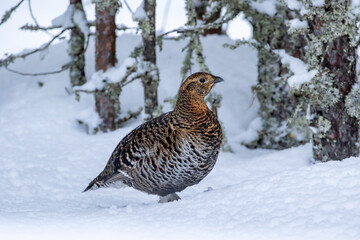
47, 159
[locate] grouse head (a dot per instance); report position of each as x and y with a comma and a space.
199, 84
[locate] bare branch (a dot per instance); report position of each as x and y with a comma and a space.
63, 68
120, 27
133, 78
35, 20
128, 7
31, 13
11, 58
123, 27
249, 43
7, 14
37, 27
197, 29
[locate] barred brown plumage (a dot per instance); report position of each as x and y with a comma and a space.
171, 152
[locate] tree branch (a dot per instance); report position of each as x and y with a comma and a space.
7, 14
35, 21
11, 58
37, 27
63, 68
197, 29
128, 7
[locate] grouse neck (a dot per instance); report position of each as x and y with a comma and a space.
191, 106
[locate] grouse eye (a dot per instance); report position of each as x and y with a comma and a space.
202, 80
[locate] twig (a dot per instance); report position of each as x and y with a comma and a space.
126, 82
166, 14
228, 16
35, 21
37, 27
121, 27
31, 13
11, 58
124, 28
7, 14
63, 68
242, 42
128, 7
197, 29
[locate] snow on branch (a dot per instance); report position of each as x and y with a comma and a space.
265, 6
318, 3
139, 14
298, 67
65, 19
72, 17
123, 75
295, 24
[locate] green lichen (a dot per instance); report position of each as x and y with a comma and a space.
113, 91
194, 45
322, 126
352, 102
77, 55
320, 91
281, 128
328, 92
8, 13
112, 6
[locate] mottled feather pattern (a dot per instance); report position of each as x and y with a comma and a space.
171, 152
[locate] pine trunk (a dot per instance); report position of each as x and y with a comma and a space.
77, 51
150, 79
277, 105
107, 100
341, 139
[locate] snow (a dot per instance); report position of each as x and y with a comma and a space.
139, 13
355, 7
293, 4
298, 67
239, 22
72, 17
265, 6
65, 19
112, 75
79, 19
318, 3
47, 159
296, 24
252, 132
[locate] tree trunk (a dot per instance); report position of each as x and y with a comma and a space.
77, 51
277, 105
150, 79
107, 100
200, 9
340, 140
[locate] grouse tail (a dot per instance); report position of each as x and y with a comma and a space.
94, 184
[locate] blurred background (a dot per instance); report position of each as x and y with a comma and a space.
170, 14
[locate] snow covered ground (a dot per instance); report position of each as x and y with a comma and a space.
46, 160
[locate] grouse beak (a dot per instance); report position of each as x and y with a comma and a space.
218, 79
